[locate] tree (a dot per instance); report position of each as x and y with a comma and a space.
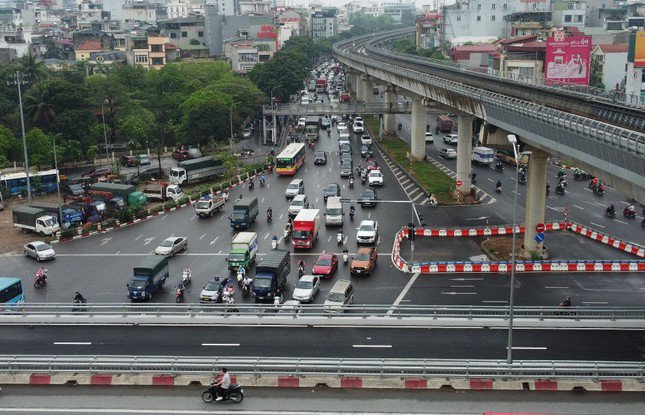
35, 70
195, 42
595, 76
206, 117
38, 106
40, 148
8, 146
110, 98
138, 127
52, 49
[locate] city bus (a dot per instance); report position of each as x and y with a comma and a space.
11, 291
14, 184
290, 159
508, 156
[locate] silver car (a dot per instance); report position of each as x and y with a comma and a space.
307, 288
172, 246
39, 250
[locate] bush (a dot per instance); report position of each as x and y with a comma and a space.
183, 200
157, 209
68, 233
90, 227
125, 215
108, 223
170, 204
141, 213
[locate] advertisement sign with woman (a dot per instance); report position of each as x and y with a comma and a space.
567, 58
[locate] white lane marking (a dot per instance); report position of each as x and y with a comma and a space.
164, 217
579, 207
220, 344
314, 202
456, 293
489, 179
528, 348
117, 252
137, 238
214, 240
220, 251
597, 224
369, 215
281, 215
404, 292
193, 217
555, 287
518, 194
495, 301
104, 240
378, 241
466, 279
328, 239
262, 200
620, 221
345, 240
202, 237
372, 346
72, 343
267, 235
462, 286
148, 240
595, 302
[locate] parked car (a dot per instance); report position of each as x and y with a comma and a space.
153, 173
128, 161
97, 172
172, 246
332, 189
39, 250
325, 265
447, 153
367, 232
144, 159
73, 190
180, 155
320, 158
363, 262
368, 198
306, 288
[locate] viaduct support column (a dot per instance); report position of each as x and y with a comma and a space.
389, 120
535, 199
359, 88
367, 89
418, 130
464, 152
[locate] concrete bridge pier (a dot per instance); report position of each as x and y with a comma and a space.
367, 88
418, 130
359, 88
535, 200
464, 152
389, 120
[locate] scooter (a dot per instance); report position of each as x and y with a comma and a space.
301, 271
345, 257
234, 394
499, 167
351, 215
251, 185
246, 288
630, 214
41, 278
598, 191
274, 243
240, 276
351, 183
179, 294
610, 213
285, 235
339, 238
498, 189
521, 179
186, 276
559, 190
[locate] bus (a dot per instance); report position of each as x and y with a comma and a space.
312, 124
11, 291
14, 184
444, 123
290, 159
507, 156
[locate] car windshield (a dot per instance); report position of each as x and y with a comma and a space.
301, 235
211, 286
366, 227
304, 285
320, 154
293, 186
137, 285
325, 262
167, 243
237, 215
42, 247
335, 211
375, 174
336, 297
362, 256
202, 205
262, 282
236, 257
368, 194
330, 189
297, 203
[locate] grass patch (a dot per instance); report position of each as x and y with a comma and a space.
372, 125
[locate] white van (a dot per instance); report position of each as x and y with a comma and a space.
483, 155
334, 211
340, 295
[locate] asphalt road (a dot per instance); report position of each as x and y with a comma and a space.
114, 400
341, 342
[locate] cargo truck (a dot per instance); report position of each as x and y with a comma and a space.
305, 228
245, 211
148, 277
127, 192
271, 274
483, 155
207, 205
195, 170
35, 220
244, 248
162, 191
70, 216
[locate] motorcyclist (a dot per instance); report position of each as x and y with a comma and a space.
301, 264
222, 386
188, 272
498, 186
262, 180
473, 176
269, 212
352, 209
79, 299
399, 126
251, 184
274, 241
432, 200
345, 254
630, 210
566, 303
562, 172
611, 209
594, 182
499, 165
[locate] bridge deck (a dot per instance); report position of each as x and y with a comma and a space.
341, 109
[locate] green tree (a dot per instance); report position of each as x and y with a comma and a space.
195, 42
40, 148
111, 99
38, 106
92, 152
206, 118
8, 146
78, 125
52, 50
34, 69
138, 127
595, 76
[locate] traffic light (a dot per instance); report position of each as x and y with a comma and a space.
411, 231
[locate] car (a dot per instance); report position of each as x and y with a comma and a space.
180, 155
372, 165
305, 101
129, 161
212, 291
290, 307
363, 262
306, 288
367, 232
341, 126
144, 159
343, 135
447, 153
365, 151
334, 103
344, 142
153, 173
358, 127
368, 198
375, 178
429, 137
296, 187
39, 250
332, 189
345, 148
325, 265
246, 133
345, 169
346, 158
366, 140
75, 190
302, 121
325, 123
357, 118
97, 172
172, 246
320, 158
451, 138
298, 203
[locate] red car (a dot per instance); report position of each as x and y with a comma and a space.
325, 265
371, 165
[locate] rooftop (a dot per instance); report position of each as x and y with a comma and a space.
619, 48
89, 45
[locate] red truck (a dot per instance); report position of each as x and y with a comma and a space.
444, 123
344, 97
321, 84
305, 228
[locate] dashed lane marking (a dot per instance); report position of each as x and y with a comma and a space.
105, 241
202, 237
137, 238
214, 240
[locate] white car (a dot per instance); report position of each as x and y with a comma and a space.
341, 126
39, 250
367, 232
172, 246
358, 127
366, 140
306, 289
343, 135
298, 203
429, 137
290, 307
301, 121
450, 138
447, 153
375, 178
246, 133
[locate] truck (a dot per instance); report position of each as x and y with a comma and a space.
444, 123
35, 220
344, 96
312, 124
149, 276
305, 228
102, 200
271, 274
483, 155
245, 211
163, 191
70, 216
196, 170
244, 248
126, 192
207, 205
321, 84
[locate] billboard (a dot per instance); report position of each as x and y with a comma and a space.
639, 50
567, 58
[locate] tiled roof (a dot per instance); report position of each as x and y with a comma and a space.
89, 45
517, 39
619, 48
476, 48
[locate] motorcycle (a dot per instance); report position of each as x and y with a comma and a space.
240, 276
629, 214
339, 238
262, 181
351, 215
521, 179
363, 178
548, 189
285, 234
345, 257
234, 394
274, 243
179, 294
251, 185
328, 132
598, 191
399, 127
563, 181
610, 213
499, 167
559, 190
41, 278
351, 183
246, 287
186, 276
269, 216
301, 271
581, 176
498, 189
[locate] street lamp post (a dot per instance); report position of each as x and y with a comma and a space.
231, 122
107, 151
273, 126
509, 352
60, 208
19, 79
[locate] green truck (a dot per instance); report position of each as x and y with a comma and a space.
244, 248
127, 193
148, 277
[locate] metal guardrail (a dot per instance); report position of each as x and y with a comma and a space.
340, 109
617, 136
305, 311
382, 368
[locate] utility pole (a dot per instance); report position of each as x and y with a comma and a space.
19, 79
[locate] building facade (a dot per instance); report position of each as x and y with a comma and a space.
180, 31
323, 24
568, 13
612, 61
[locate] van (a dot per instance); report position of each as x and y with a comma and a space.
483, 155
296, 187
271, 275
334, 211
340, 295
